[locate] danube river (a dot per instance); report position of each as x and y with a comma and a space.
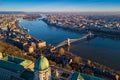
102, 50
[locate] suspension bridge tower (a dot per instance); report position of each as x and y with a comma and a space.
90, 34
68, 42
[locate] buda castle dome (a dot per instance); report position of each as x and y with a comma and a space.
41, 63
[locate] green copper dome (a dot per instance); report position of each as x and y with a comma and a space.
41, 63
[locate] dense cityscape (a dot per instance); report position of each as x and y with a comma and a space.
59, 40
105, 23
64, 64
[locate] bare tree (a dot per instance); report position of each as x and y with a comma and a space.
61, 51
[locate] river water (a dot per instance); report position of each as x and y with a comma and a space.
102, 50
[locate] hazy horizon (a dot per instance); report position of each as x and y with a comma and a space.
60, 6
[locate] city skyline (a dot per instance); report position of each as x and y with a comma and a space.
60, 6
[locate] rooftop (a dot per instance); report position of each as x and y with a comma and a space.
15, 64
82, 76
28, 75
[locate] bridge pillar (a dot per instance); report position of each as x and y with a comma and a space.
68, 48
89, 34
68, 42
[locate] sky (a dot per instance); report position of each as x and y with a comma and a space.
60, 5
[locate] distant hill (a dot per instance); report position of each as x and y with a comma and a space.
19, 12
12, 12
75, 13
